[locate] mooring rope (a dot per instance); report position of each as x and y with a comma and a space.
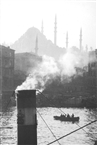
48, 127
77, 124
71, 132
7, 119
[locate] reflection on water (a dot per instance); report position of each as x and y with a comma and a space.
44, 136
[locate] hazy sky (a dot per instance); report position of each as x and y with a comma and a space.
16, 16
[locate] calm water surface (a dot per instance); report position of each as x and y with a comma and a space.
8, 129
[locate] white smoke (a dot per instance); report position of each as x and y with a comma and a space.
37, 79
49, 69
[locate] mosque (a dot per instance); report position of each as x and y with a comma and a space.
67, 38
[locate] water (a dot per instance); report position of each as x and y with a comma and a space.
44, 136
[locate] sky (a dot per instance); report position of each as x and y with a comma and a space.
17, 16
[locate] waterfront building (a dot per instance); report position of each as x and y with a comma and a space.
6, 74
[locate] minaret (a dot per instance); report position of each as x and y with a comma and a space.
42, 27
66, 40
80, 40
55, 31
36, 46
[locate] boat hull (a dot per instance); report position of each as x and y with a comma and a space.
63, 118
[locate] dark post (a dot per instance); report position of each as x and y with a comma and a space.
26, 117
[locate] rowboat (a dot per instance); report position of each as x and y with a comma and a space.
66, 118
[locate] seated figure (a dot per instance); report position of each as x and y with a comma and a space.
72, 115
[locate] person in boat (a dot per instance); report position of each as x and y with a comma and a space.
68, 116
62, 116
72, 116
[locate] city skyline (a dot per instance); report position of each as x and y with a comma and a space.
71, 17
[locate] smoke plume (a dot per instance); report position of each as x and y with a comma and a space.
49, 69
46, 71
